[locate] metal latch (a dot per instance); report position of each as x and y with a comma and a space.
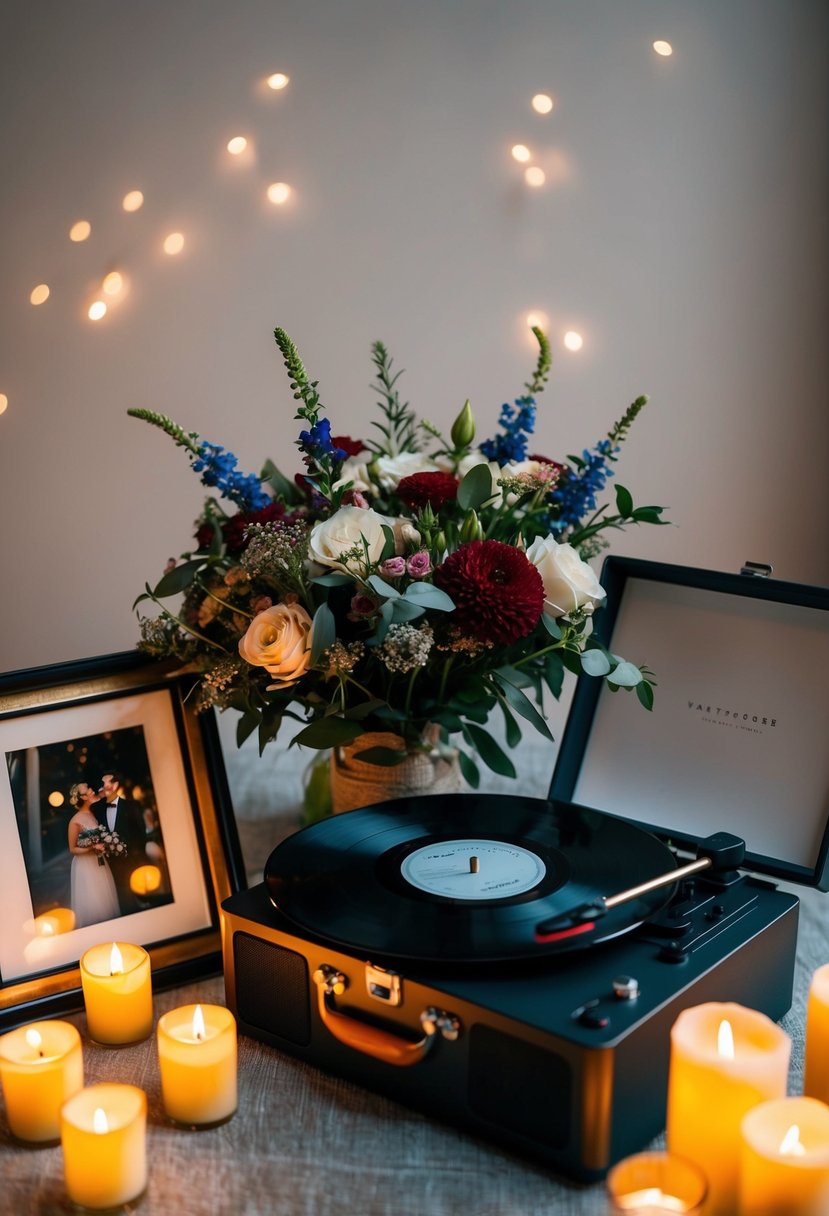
383, 985
756, 569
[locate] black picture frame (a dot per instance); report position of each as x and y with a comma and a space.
108, 710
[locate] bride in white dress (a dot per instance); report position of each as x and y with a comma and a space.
92, 894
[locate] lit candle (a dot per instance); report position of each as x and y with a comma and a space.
197, 1057
117, 993
656, 1184
41, 1065
725, 1059
816, 1076
784, 1161
103, 1130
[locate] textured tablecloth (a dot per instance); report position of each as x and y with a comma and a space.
307, 1144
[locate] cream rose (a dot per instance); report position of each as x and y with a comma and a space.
278, 639
569, 583
390, 470
355, 470
343, 530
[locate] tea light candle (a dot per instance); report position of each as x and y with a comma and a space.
103, 1130
656, 1184
816, 1075
117, 993
41, 1065
725, 1059
197, 1057
784, 1160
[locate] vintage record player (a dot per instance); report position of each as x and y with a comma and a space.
514, 965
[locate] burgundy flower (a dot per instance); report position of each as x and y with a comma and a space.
497, 591
362, 605
434, 488
559, 468
351, 447
233, 531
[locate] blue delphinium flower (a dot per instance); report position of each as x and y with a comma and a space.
317, 442
218, 468
517, 422
575, 493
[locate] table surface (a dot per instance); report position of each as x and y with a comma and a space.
304, 1143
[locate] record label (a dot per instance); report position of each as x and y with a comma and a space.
473, 869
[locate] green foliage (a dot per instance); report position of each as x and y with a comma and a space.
399, 425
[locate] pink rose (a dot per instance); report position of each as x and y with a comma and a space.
419, 564
393, 567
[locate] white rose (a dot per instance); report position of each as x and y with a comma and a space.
349, 526
390, 470
355, 470
569, 583
278, 640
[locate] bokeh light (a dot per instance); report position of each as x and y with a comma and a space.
113, 283
237, 145
40, 294
537, 319
80, 230
97, 310
279, 192
535, 176
278, 81
133, 200
542, 103
56, 798
520, 152
663, 48
573, 340
174, 243
4, 403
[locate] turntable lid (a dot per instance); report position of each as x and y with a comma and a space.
737, 739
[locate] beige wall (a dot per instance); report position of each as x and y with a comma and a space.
682, 230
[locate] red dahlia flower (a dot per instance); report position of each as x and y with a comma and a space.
434, 488
351, 447
497, 591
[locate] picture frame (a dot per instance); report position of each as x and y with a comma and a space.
63, 730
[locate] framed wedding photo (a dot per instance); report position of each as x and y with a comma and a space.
116, 825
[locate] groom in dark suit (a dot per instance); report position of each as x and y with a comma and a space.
124, 816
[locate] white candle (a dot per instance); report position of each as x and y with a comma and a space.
725, 1059
117, 993
104, 1135
197, 1058
41, 1065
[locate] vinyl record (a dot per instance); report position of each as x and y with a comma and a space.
463, 877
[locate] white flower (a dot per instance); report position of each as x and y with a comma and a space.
390, 470
349, 526
569, 583
469, 461
355, 470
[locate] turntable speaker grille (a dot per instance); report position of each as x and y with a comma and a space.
272, 989
520, 1087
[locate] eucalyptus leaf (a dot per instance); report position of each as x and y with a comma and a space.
246, 725
625, 675
179, 578
644, 692
404, 610
571, 660
429, 596
382, 587
363, 709
323, 632
328, 732
335, 579
513, 730
489, 751
551, 625
522, 705
595, 663
515, 675
554, 673
475, 488
386, 612
469, 769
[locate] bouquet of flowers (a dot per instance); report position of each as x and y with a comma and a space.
408, 580
111, 843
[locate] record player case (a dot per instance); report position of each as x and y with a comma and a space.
565, 1059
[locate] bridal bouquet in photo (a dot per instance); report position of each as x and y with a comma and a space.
410, 582
111, 842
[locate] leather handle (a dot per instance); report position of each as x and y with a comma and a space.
381, 1044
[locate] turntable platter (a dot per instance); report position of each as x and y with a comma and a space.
462, 878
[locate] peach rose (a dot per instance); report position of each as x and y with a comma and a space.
278, 640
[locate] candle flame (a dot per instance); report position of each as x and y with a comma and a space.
651, 1198
198, 1024
33, 1038
116, 963
725, 1040
100, 1123
791, 1145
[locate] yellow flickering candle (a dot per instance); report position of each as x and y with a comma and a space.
41, 1065
816, 1075
197, 1058
725, 1059
117, 993
656, 1184
784, 1162
103, 1130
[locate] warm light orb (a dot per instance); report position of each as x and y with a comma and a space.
663, 48
198, 1023
537, 320
542, 103
237, 145
113, 282
535, 176
4, 403
174, 243
520, 152
133, 200
279, 193
40, 294
97, 309
145, 879
116, 961
725, 1040
278, 81
791, 1145
572, 340
100, 1123
80, 230
33, 1038
59, 920
56, 798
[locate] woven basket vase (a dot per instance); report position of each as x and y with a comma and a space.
356, 783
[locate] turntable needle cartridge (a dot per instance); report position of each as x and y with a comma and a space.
722, 851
